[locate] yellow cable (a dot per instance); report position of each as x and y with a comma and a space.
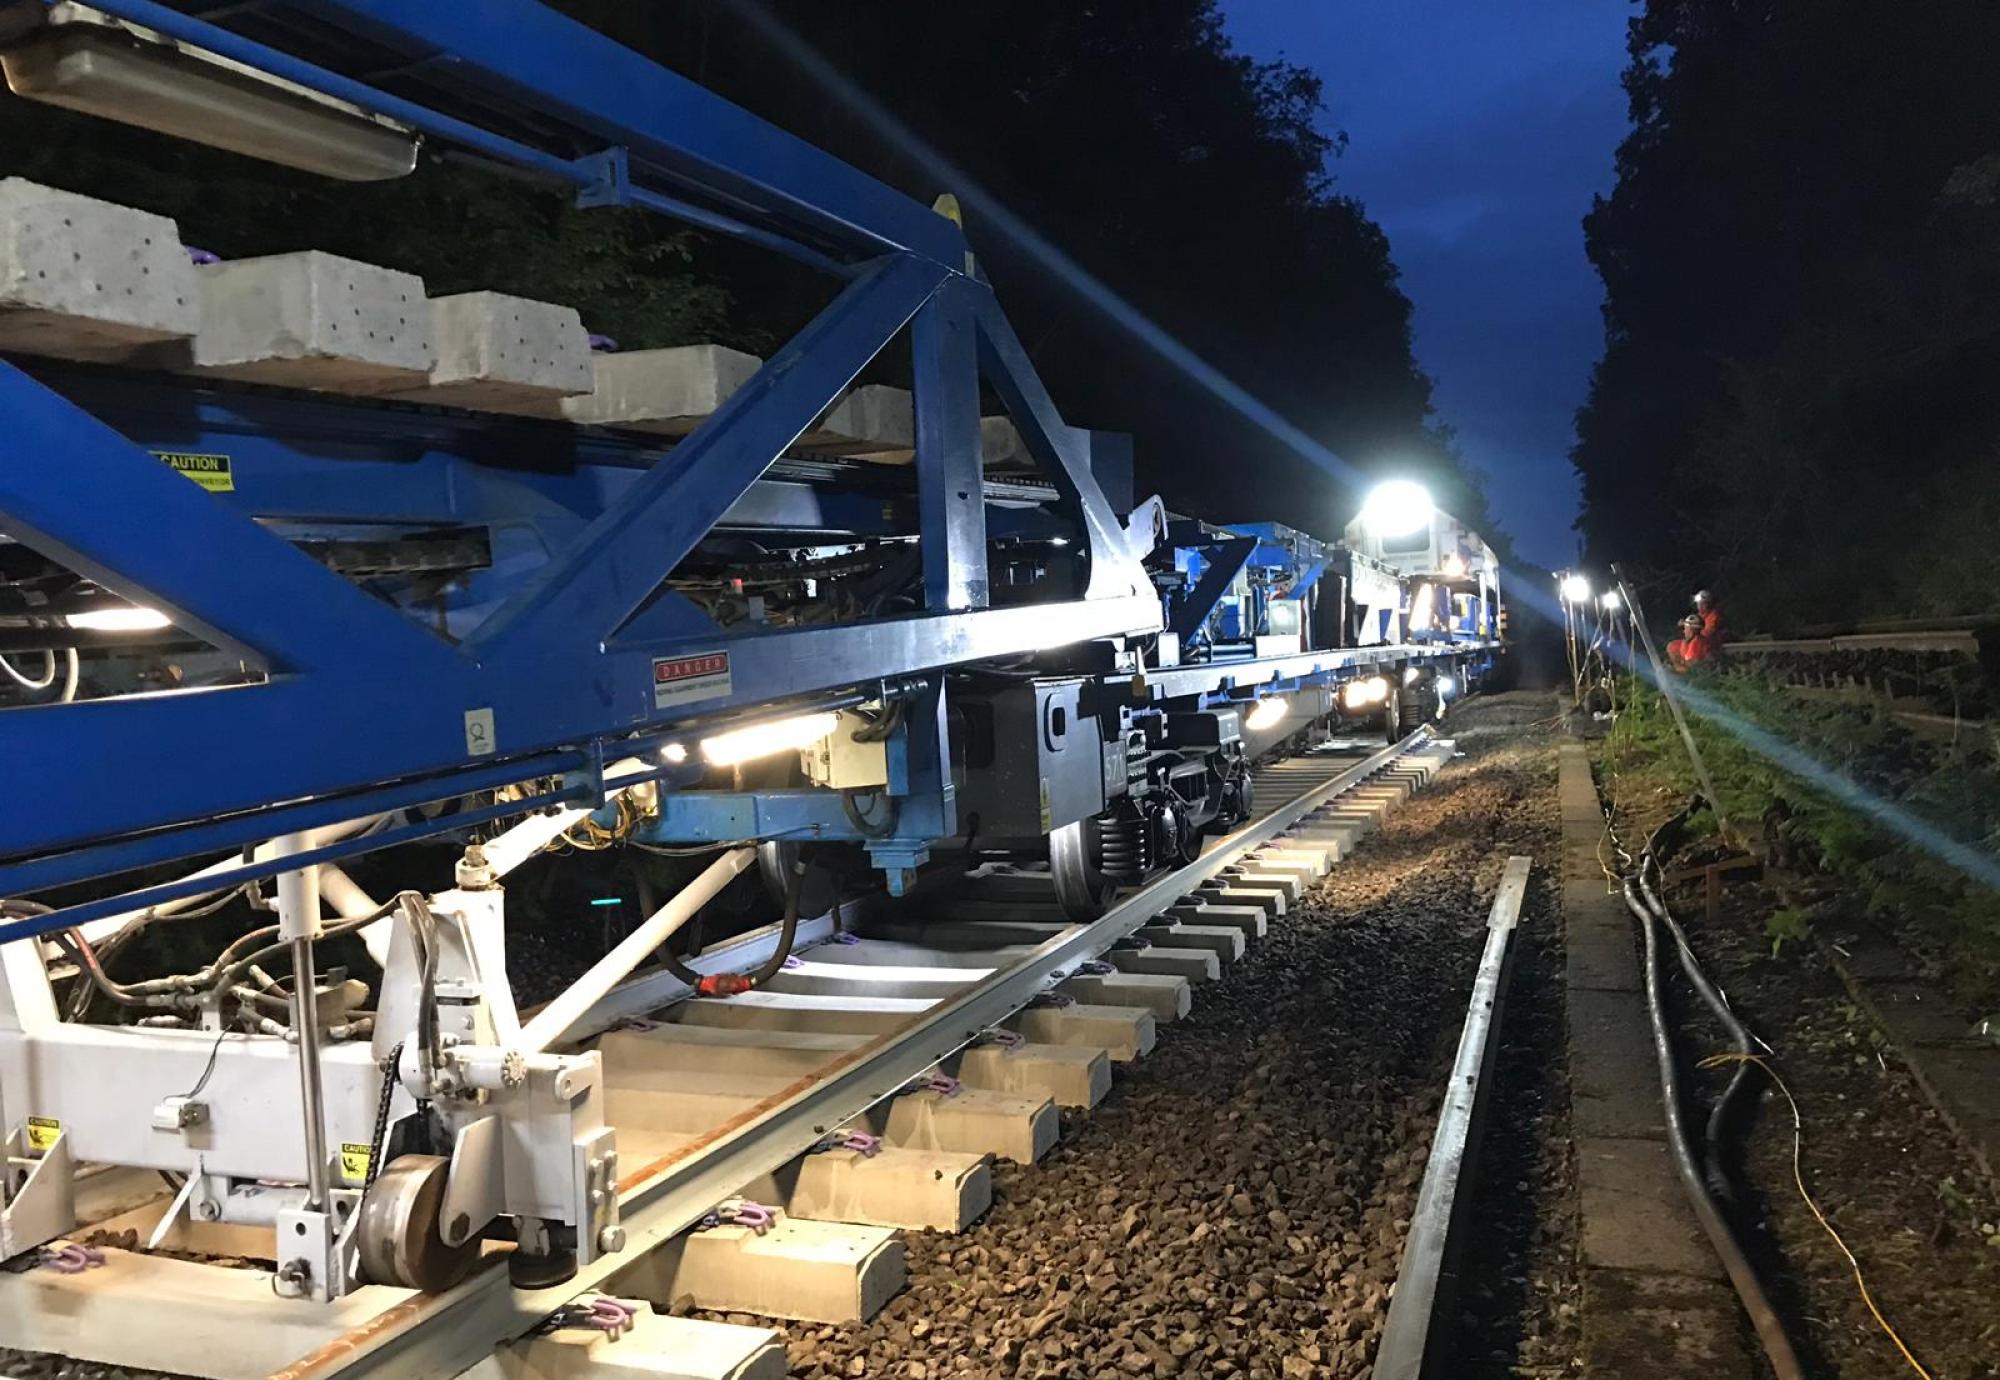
1798, 1178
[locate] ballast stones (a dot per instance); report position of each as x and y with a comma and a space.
84, 279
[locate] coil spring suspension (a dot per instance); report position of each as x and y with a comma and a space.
1124, 847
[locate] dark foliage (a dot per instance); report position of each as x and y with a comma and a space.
1802, 269
1189, 178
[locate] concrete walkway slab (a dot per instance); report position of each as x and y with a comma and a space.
1655, 1306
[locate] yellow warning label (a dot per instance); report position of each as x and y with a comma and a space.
212, 472
42, 1133
1048, 814
354, 1161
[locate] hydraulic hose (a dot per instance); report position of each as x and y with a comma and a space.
731, 984
1739, 1034
1749, 1288
552, 1020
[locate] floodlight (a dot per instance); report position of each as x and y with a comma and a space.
86, 60
1397, 508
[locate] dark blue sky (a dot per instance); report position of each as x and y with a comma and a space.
1478, 131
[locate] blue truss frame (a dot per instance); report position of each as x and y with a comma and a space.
363, 706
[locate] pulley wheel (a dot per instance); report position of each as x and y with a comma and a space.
399, 1232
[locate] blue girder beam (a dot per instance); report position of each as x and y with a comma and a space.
770, 183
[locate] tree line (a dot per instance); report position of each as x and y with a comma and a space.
1797, 401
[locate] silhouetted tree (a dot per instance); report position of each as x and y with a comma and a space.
1800, 260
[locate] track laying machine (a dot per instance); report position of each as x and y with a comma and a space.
299, 564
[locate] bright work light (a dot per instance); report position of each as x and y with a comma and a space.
1612, 601
117, 620
1360, 694
83, 59
1575, 589
765, 740
1397, 508
1265, 714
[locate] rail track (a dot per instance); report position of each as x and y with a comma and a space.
951, 1041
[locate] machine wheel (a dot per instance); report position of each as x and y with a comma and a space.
818, 889
399, 1233
1392, 715
1082, 889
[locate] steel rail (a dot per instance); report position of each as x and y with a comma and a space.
447, 1333
1409, 1335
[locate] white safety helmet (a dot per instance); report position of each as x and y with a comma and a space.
1702, 596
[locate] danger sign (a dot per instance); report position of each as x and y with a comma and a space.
684, 679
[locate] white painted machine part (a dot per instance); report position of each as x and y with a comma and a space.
102, 928
552, 1020
538, 831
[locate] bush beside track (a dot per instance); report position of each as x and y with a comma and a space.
1848, 867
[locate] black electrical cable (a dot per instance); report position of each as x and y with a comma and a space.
1742, 1275
880, 729
788, 929
1719, 1116
864, 826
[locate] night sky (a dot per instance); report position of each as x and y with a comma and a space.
1478, 131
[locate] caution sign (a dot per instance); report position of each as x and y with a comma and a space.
683, 679
42, 1133
354, 1160
212, 472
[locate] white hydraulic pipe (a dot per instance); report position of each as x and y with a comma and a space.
559, 1015
102, 928
505, 853
538, 831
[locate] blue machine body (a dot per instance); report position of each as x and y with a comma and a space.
538, 657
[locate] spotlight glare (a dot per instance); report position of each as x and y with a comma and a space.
1265, 714
134, 619
1397, 508
767, 739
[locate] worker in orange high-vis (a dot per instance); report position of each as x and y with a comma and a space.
1701, 634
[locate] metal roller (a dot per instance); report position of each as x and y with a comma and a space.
399, 1232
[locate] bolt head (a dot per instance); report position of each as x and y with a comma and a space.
611, 1240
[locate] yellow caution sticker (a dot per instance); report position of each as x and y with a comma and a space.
42, 1133
1048, 814
212, 472
354, 1161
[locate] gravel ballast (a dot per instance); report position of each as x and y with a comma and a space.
1238, 1205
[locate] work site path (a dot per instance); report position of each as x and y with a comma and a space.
1238, 1204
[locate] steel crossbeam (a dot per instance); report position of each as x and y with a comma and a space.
363, 702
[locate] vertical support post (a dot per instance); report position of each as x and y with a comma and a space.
951, 499
298, 922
